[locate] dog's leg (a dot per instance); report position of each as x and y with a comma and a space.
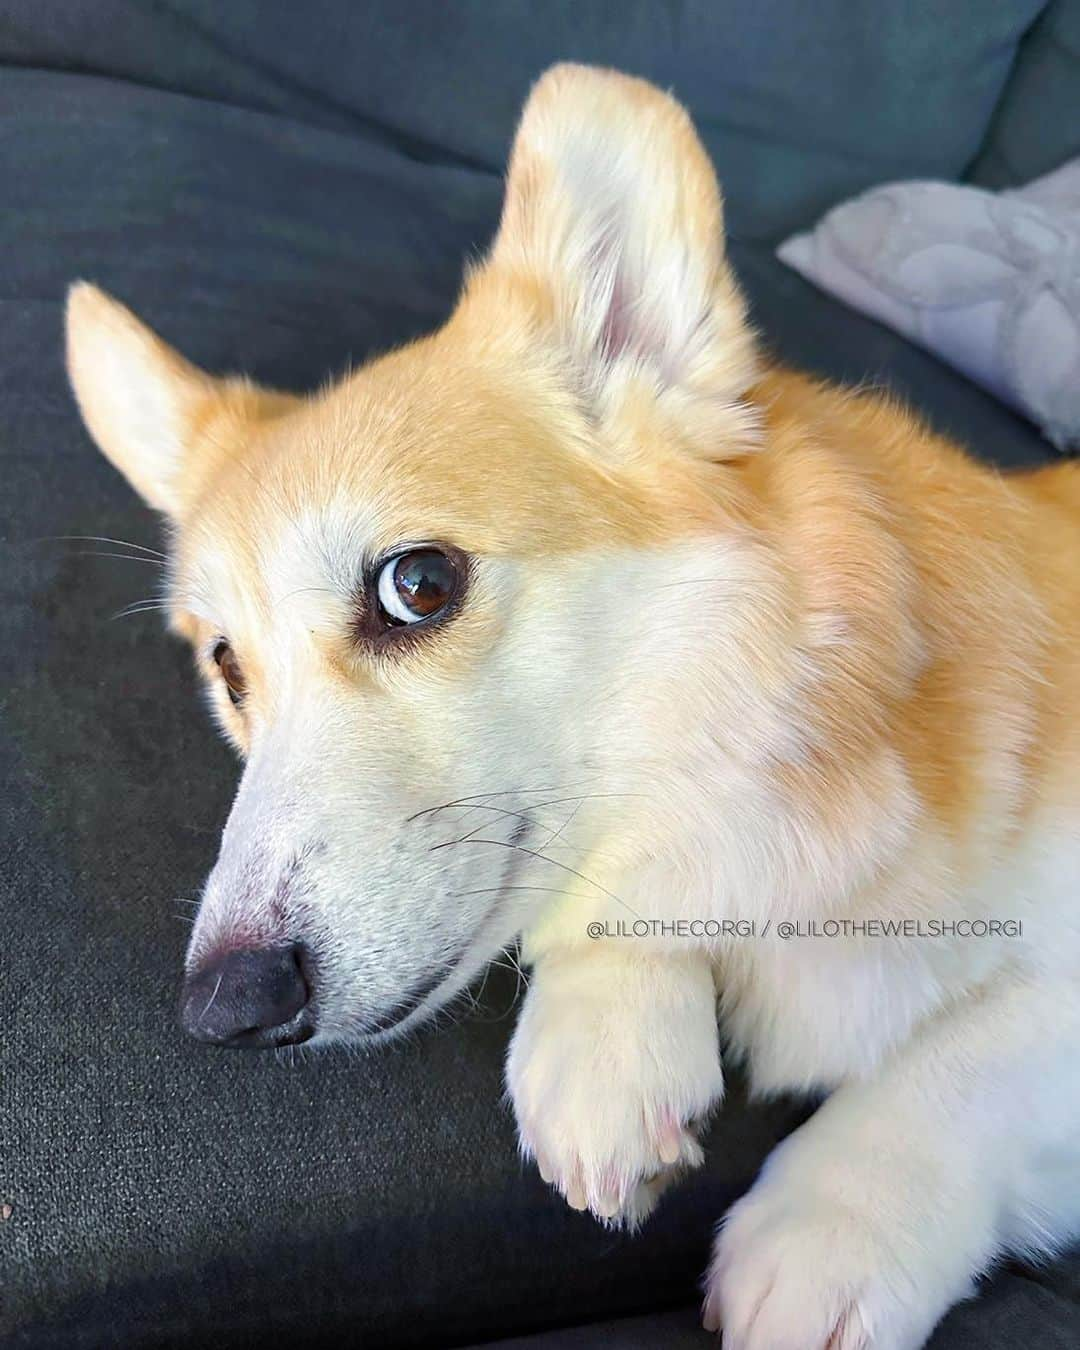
876, 1216
615, 1057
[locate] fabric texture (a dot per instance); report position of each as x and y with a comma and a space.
801, 105
1022, 1308
990, 282
163, 1194
1036, 125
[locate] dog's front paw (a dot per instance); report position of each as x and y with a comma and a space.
792, 1270
610, 1071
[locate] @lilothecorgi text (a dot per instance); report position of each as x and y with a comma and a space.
786, 929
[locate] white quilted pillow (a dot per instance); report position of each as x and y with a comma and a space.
990, 282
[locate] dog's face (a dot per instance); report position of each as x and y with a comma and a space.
442, 608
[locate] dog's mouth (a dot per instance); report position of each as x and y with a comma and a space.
414, 998
421, 996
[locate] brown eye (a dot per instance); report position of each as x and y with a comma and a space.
415, 586
231, 671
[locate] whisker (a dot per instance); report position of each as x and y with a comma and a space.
476, 797
551, 839
520, 980
303, 590
139, 607
529, 820
532, 853
127, 557
510, 792
99, 539
498, 890
210, 1001
516, 815
516, 966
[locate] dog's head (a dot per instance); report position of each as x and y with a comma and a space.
445, 609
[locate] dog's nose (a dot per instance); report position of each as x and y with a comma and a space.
249, 999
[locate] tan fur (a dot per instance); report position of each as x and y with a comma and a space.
819, 660
959, 588
963, 591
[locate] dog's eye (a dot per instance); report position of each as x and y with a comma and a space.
231, 671
415, 586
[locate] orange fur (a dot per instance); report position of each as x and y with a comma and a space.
934, 602
793, 654
958, 588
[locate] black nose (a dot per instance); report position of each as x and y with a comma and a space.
249, 999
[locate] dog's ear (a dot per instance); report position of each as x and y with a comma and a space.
154, 415
612, 227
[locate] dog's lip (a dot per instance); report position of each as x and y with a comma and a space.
414, 998
421, 990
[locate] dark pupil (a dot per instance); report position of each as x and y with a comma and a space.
424, 582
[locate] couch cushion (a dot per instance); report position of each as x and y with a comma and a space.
988, 281
1023, 1307
162, 1193
1036, 125
801, 104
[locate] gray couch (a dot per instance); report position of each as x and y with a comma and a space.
283, 189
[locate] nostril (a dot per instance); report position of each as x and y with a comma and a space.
249, 998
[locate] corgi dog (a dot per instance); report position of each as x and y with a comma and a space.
746, 704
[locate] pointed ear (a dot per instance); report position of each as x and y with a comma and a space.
148, 409
612, 223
